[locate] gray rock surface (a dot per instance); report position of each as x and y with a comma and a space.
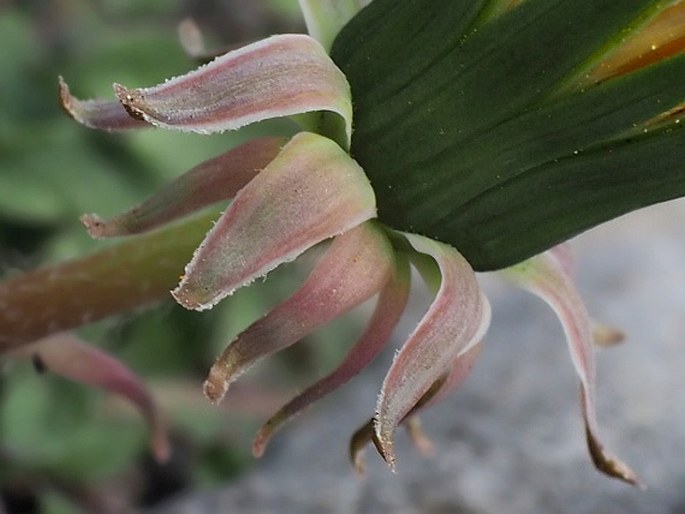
511, 441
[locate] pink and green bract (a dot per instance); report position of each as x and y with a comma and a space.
445, 136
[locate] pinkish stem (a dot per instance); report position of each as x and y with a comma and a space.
130, 274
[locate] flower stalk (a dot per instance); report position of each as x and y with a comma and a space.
125, 276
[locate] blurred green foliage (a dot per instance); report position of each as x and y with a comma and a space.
64, 448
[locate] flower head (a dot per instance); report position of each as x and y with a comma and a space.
480, 142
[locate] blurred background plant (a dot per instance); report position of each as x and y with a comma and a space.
65, 448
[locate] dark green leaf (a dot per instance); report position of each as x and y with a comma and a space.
471, 130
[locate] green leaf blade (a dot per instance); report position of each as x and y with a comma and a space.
452, 130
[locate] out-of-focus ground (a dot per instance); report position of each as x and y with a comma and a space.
511, 439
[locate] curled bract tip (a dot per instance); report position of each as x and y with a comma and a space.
605, 335
215, 388
547, 276
418, 437
362, 436
97, 113
66, 99
261, 441
96, 226
191, 299
609, 464
384, 441
454, 324
358, 442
